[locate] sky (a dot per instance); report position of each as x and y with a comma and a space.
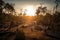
19, 4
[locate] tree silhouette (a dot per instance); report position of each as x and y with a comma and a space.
55, 25
41, 10
44, 9
24, 12
1, 5
20, 12
38, 10
9, 8
12, 9
56, 6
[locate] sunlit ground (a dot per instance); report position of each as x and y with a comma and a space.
29, 19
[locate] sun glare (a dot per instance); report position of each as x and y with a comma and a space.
30, 11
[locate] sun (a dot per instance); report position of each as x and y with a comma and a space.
30, 11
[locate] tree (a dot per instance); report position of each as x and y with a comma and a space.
9, 8
40, 17
44, 9
38, 10
1, 5
41, 10
54, 26
12, 9
56, 6
20, 12
24, 12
